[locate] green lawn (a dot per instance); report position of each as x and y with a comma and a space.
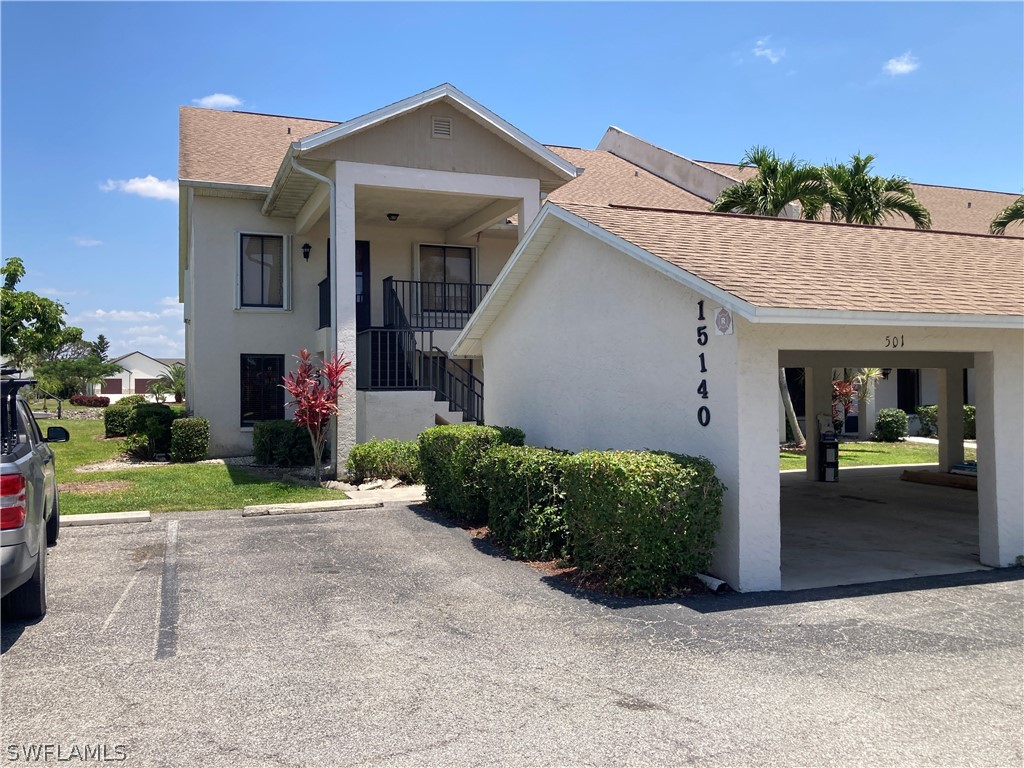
866, 454
176, 487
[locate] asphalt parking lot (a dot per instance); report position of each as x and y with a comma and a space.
385, 637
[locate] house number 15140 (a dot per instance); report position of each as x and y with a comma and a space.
703, 412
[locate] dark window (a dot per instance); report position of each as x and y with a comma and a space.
262, 396
447, 275
908, 389
262, 270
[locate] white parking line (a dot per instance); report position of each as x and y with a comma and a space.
120, 600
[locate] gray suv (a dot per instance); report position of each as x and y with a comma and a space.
30, 515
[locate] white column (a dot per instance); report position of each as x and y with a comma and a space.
529, 207
867, 412
999, 378
749, 551
951, 418
818, 396
344, 275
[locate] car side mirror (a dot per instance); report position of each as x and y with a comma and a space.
57, 435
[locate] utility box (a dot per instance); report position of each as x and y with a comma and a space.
828, 458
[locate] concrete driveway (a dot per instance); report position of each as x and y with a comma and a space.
384, 637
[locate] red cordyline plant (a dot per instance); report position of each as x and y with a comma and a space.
314, 387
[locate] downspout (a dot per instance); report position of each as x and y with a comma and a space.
332, 270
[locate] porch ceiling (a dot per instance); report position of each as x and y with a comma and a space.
434, 210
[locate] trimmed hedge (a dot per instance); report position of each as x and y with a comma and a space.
154, 421
929, 416
524, 509
384, 459
282, 443
90, 401
644, 521
450, 461
891, 425
116, 417
190, 439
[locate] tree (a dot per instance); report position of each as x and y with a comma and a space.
1013, 213
778, 183
173, 380
64, 378
101, 347
30, 325
857, 196
315, 394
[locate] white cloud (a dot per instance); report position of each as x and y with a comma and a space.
59, 292
146, 186
178, 312
146, 329
170, 301
901, 65
218, 101
86, 242
117, 315
774, 55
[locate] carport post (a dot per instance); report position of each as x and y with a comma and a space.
818, 399
951, 418
866, 411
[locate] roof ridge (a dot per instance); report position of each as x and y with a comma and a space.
812, 222
258, 114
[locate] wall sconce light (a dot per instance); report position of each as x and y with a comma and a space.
306, 248
886, 372
392, 217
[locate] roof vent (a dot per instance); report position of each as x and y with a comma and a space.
440, 127
968, 204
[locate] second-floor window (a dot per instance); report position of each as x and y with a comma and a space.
447, 274
262, 270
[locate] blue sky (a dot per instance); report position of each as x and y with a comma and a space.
90, 93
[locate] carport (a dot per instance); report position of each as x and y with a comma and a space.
871, 525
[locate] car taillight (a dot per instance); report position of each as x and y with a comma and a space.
13, 501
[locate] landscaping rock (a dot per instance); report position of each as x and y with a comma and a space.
394, 482
336, 485
373, 485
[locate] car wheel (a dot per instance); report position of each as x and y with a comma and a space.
29, 600
53, 524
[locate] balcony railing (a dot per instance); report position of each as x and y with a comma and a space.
423, 304
402, 359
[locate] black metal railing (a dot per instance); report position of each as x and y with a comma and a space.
406, 359
424, 304
324, 288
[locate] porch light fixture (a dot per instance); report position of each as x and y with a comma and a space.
392, 217
306, 248
886, 372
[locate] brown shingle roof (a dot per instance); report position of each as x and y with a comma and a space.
609, 180
237, 147
782, 263
953, 209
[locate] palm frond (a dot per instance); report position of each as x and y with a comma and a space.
1014, 212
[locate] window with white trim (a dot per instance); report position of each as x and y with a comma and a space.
262, 271
446, 272
261, 397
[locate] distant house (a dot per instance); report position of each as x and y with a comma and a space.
140, 370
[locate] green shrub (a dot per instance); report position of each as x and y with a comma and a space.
282, 443
384, 459
154, 421
891, 425
190, 439
928, 415
524, 508
512, 435
138, 447
116, 416
970, 426
644, 521
450, 462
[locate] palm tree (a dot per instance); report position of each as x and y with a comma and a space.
857, 196
174, 381
1014, 212
778, 183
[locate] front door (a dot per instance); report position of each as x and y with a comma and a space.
362, 285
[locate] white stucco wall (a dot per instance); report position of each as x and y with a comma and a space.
597, 351
219, 333
399, 415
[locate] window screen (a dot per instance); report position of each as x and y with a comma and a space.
262, 396
262, 269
